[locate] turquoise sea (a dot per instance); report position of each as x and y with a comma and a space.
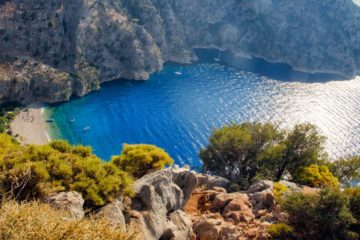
179, 107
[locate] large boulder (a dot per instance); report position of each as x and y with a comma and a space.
71, 202
113, 212
239, 210
260, 186
156, 208
261, 195
209, 182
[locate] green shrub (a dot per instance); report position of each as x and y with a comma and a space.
139, 160
316, 176
279, 190
31, 172
280, 231
319, 216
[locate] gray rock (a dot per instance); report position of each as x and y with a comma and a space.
209, 181
113, 212
260, 186
71, 202
159, 198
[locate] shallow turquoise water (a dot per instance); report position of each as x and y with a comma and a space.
178, 112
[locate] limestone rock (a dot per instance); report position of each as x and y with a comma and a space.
160, 196
181, 226
209, 182
239, 209
260, 186
221, 200
71, 202
113, 212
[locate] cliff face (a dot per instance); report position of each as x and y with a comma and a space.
82, 43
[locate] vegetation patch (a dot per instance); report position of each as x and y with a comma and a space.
316, 176
35, 220
247, 152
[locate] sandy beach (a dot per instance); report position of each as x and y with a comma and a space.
29, 125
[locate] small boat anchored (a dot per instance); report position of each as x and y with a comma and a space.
178, 73
72, 120
216, 59
86, 129
49, 120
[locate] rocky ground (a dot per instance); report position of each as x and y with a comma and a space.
181, 204
50, 50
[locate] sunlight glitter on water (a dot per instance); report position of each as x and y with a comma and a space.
178, 112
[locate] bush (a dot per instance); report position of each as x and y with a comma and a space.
279, 190
139, 160
39, 221
354, 198
31, 172
319, 216
280, 231
249, 151
316, 176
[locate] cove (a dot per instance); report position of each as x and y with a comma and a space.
179, 111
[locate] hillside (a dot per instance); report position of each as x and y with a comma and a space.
51, 50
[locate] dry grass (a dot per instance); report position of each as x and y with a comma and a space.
38, 221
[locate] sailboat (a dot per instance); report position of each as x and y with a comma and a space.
218, 58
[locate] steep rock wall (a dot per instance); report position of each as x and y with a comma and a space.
92, 41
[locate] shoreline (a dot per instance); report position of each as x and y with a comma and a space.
29, 126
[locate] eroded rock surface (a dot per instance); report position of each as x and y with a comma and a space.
71, 202
83, 43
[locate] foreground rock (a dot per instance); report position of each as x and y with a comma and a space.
156, 209
179, 204
71, 202
82, 43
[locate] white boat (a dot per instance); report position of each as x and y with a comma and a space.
86, 129
72, 120
216, 59
178, 73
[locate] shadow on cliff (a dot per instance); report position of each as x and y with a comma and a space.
278, 71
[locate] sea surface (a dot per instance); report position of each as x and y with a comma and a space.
178, 111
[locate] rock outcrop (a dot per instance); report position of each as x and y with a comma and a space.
156, 209
82, 43
175, 204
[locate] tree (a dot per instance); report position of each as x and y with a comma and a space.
139, 160
316, 176
320, 216
237, 151
346, 169
304, 146
245, 152
354, 198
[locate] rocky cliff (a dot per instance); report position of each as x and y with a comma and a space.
50, 50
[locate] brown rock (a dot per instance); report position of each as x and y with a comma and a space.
239, 209
71, 202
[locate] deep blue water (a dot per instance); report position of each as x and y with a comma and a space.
178, 112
